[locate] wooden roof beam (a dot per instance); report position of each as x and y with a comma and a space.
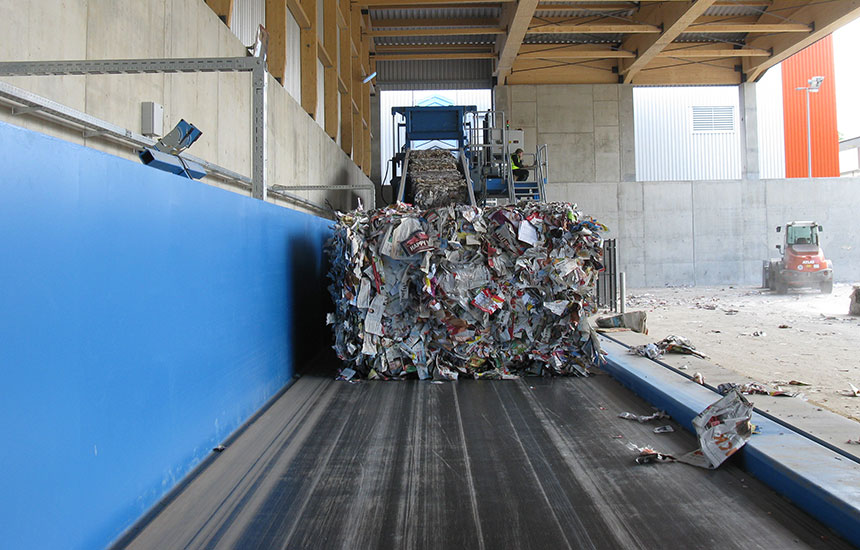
276, 26
674, 17
564, 25
733, 3
555, 51
516, 18
549, 71
823, 17
709, 50
223, 9
324, 55
730, 27
298, 12
308, 58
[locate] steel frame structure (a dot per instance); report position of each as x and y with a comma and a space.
25, 102
255, 65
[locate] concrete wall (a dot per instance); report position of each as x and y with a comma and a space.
588, 128
717, 232
671, 232
218, 103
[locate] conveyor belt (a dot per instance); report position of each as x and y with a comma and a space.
530, 463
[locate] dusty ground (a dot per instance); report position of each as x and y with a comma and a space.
739, 328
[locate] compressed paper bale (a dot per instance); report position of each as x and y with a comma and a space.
463, 291
434, 179
854, 304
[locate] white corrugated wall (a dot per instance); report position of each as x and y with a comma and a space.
320, 95
293, 79
771, 128
248, 15
482, 99
668, 149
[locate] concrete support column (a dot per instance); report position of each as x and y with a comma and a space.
376, 166
502, 100
749, 132
626, 132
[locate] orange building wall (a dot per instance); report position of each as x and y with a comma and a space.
816, 60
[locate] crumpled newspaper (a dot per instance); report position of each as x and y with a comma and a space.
752, 388
459, 290
643, 418
722, 428
669, 344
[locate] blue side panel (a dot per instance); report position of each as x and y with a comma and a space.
143, 318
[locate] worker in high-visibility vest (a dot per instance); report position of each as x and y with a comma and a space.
521, 171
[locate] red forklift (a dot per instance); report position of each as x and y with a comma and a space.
802, 263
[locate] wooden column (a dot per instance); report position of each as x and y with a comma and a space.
223, 9
276, 25
309, 57
345, 77
356, 77
330, 35
365, 104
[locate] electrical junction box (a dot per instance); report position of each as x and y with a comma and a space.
515, 140
151, 119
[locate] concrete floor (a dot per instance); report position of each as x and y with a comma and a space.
530, 463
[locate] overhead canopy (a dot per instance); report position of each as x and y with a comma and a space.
455, 43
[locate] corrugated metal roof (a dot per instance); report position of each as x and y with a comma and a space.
436, 13
484, 39
448, 74
413, 29
734, 10
726, 38
621, 15
579, 38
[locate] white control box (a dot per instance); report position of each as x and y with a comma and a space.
151, 119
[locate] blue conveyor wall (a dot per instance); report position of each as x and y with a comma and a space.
143, 318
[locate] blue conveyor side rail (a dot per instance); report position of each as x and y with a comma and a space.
816, 479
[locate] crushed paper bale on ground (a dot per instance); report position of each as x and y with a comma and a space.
458, 290
854, 304
633, 320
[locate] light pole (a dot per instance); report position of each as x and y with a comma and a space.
814, 84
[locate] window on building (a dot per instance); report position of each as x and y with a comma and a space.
713, 119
